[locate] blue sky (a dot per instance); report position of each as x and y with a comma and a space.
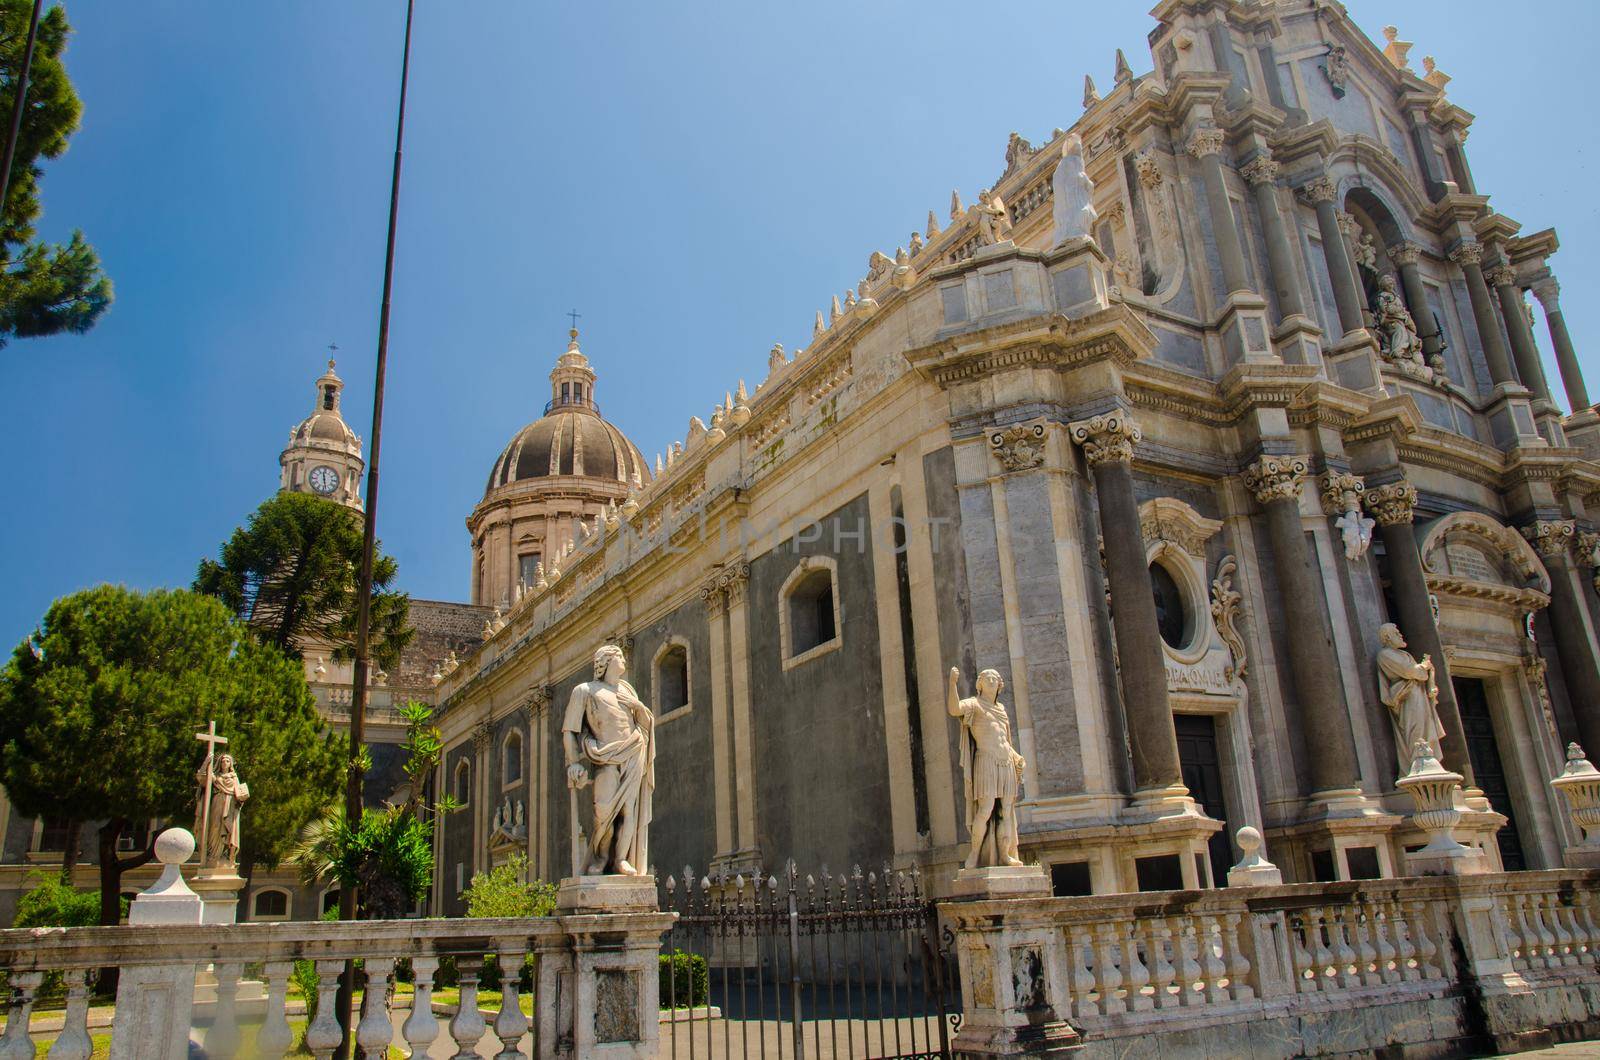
696, 179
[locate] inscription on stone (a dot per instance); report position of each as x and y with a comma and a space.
616, 1006
1203, 677
1470, 563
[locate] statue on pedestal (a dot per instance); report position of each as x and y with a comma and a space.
992, 769
219, 796
1410, 690
1397, 331
994, 221
607, 727
1072, 193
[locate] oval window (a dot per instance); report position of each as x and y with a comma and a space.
1171, 615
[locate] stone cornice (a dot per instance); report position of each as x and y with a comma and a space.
1047, 341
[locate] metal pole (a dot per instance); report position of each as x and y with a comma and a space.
794, 964
22, 100
353, 803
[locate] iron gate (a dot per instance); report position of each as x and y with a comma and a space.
817, 966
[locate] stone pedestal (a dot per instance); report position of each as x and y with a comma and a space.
606, 894
1001, 881
1253, 869
598, 992
155, 1001
1080, 277
219, 890
1012, 994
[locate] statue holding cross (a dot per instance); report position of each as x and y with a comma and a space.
219, 795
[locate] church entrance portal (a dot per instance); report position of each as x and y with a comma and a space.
1202, 775
1487, 768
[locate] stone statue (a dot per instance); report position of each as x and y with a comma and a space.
1411, 692
1397, 331
1367, 252
992, 768
994, 221
1072, 208
610, 729
218, 797
1337, 68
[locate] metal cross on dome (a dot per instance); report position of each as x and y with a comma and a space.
574, 314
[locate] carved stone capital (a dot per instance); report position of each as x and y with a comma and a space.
1260, 170
1348, 225
1467, 252
539, 697
1552, 538
1548, 292
1018, 447
1403, 254
1205, 142
1319, 190
1588, 549
1106, 438
1148, 169
1275, 478
714, 599
1392, 503
482, 734
1341, 492
1501, 275
730, 582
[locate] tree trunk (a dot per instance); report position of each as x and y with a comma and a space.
111, 872
70, 850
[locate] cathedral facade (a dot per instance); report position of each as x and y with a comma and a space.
1170, 481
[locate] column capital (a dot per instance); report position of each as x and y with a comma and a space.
1019, 447
1260, 170
1275, 478
731, 580
1205, 141
538, 700
1501, 275
1107, 438
1551, 537
1318, 190
1588, 548
1393, 503
1348, 225
1405, 253
1467, 252
1548, 291
714, 598
482, 733
1341, 492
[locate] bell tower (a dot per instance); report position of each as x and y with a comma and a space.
324, 455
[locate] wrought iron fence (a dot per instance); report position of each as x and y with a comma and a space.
805, 966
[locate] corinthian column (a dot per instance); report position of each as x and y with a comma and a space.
1262, 174
1405, 257
1108, 443
1574, 646
1321, 193
1206, 146
1548, 292
1393, 507
1515, 314
1469, 255
1313, 666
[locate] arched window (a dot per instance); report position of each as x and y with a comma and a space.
330, 899
511, 760
1172, 613
669, 677
808, 611
272, 903
463, 784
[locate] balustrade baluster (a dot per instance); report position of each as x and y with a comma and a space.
1582, 937
375, 1030
1137, 974
1549, 955
322, 1036
1322, 958
1566, 950
1107, 972
467, 1025
73, 1043
1344, 952
1157, 937
421, 1027
1234, 947
1185, 951
222, 1037
1407, 960
510, 1025
1210, 961
1584, 901
1382, 929
275, 1037
1302, 952
1083, 985
15, 1044
1441, 930
1367, 966
1517, 931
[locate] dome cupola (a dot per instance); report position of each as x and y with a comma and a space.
324, 454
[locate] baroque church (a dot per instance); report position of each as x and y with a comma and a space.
1170, 481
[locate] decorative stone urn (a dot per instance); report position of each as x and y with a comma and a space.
1579, 785
1433, 790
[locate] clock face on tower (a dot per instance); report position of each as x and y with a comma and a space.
323, 479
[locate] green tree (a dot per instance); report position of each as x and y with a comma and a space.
45, 288
291, 573
505, 890
99, 706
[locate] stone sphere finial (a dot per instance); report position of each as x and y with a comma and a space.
174, 846
1249, 840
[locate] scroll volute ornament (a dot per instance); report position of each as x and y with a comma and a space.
1551, 538
1275, 478
1019, 447
1106, 438
1392, 503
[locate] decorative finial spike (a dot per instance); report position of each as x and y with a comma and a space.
956, 209
933, 225
1124, 71
1091, 95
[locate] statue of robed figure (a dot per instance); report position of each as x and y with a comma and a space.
608, 729
992, 769
1410, 689
219, 796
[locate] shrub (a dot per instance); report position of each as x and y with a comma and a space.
55, 904
505, 891
685, 979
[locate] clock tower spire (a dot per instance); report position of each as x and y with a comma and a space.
324, 455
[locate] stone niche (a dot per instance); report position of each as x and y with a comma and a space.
1199, 660
1476, 566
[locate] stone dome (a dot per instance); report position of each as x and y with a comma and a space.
569, 441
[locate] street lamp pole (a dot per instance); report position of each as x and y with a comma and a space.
355, 777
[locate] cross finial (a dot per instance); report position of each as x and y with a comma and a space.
333, 348
574, 314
